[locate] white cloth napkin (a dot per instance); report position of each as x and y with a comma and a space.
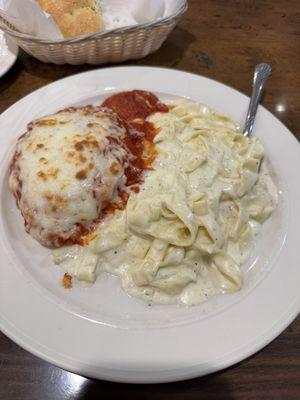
119, 13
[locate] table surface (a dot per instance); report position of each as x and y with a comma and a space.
222, 40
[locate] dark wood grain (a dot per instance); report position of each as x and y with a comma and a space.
223, 40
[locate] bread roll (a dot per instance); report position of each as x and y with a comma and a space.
74, 17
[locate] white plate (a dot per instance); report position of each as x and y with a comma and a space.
8, 53
102, 333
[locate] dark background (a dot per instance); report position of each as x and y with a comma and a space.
223, 40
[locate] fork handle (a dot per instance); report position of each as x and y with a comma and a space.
261, 74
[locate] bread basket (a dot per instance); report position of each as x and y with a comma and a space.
111, 46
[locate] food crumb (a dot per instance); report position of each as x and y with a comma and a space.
67, 281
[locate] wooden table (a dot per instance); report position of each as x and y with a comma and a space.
222, 40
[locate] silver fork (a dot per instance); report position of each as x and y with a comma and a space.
261, 74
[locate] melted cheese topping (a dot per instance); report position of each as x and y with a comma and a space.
185, 235
66, 169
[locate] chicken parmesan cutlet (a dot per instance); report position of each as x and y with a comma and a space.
71, 168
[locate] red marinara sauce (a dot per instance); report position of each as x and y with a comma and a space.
132, 109
134, 105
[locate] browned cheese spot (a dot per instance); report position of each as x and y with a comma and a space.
70, 154
46, 122
87, 110
55, 198
29, 127
79, 146
82, 159
56, 202
53, 172
81, 175
94, 143
89, 142
42, 175
114, 168
67, 281
43, 160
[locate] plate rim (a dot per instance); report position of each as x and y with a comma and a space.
281, 325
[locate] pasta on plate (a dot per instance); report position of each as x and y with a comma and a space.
185, 234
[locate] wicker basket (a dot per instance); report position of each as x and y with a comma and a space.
104, 47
